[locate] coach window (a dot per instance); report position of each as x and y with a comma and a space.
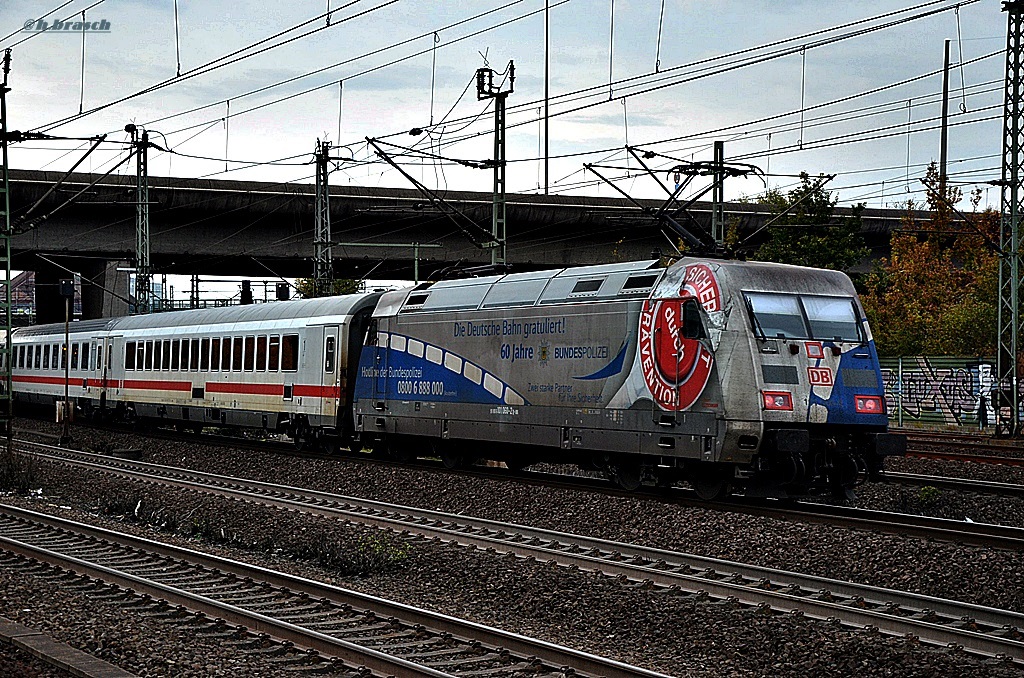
57, 350
329, 354
236, 354
225, 354
46, 360
157, 351
185, 355
261, 353
275, 353
86, 352
215, 354
149, 355
175, 354
21, 356
290, 353
129, 355
204, 355
194, 362
74, 355
165, 355
250, 353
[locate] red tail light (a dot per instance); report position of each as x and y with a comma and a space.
777, 400
868, 404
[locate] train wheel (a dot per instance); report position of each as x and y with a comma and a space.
452, 458
710, 487
628, 475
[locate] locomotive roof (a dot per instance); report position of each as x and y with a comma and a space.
517, 289
770, 276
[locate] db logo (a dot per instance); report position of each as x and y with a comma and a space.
675, 369
819, 376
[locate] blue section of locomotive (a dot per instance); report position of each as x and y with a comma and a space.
407, 369
842, 402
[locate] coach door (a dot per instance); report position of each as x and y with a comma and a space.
102, 367
330, 372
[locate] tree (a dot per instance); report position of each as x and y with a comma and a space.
807, 235
937, 293
307, 288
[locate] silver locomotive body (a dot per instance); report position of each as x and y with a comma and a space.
757, 375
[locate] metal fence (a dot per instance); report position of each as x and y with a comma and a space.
939, 391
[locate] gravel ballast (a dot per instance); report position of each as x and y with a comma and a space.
675, 634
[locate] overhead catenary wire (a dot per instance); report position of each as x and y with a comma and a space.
35, 33
236, 56
705, 74
323, 69
645, 80
374, 69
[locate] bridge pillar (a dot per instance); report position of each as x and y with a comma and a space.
104, 289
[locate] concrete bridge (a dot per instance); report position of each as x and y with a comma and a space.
219, 227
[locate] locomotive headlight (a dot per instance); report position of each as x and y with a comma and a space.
777, 400
868, 404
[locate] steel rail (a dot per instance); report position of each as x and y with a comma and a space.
550, 653
378, 662
809, 595
961, 484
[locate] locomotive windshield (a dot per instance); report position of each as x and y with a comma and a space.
790, 316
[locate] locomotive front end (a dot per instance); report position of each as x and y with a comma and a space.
819, 387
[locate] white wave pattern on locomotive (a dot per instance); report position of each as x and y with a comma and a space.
757, 375
281, 366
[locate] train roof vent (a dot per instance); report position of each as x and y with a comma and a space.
636, 284
416, 300
586, 288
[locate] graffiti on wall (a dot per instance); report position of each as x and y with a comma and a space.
939, 390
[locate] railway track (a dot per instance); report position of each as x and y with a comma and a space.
960, 484
979, 629
950, 446
365, 632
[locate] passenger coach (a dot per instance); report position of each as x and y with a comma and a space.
282, 367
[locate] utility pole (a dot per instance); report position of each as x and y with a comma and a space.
67, 290
547, 91
1008, 417
718, 196
323, 262
6, 354
143, 269
193, 293
486, 89
945, 126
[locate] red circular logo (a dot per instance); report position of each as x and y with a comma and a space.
676, 369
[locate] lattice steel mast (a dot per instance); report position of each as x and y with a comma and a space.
6, 413
323, 261
486, 89
1008, 418
143, 267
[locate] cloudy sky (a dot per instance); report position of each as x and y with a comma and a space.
730, 70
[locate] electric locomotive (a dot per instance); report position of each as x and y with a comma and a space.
758, 376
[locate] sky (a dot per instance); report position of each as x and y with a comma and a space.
785, 84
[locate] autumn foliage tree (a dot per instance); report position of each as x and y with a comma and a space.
937, 293
809, 235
